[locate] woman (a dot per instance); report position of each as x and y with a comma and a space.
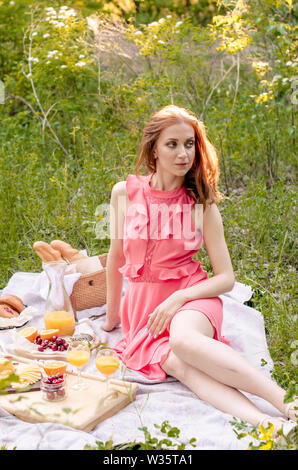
172, 315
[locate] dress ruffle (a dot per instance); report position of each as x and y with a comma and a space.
144, 214
176, 273
131, 270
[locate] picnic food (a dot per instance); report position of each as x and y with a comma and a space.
28, 375
10, 306
30, 333
6, 368
61, 320
55, 344
48, 334
7, 312
54, 367
67, 251
46, 252
53, 387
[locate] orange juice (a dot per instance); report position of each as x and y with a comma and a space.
107, 365
78, 357
61, 320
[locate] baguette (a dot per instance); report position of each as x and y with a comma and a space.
69, 253
46, 252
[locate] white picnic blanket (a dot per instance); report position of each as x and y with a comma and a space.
156, 401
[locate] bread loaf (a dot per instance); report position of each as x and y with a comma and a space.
10, 306
67, 251
46, 252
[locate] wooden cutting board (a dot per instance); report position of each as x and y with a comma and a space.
80, 409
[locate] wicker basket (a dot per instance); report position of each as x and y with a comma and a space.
90, 289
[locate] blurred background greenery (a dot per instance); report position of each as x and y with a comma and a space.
80, 80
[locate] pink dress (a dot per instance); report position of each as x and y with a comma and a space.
158, 263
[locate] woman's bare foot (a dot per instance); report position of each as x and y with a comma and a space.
109, 326
278, 424
291, 410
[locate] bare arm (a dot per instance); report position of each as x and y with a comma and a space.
115, 258
223, 279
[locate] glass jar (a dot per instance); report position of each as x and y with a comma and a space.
58, 309
53, 392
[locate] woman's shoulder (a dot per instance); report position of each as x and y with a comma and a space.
119, 188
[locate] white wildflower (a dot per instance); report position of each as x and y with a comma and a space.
138, 33
67, 13
285, 80
34, 34
48, 62
81, 56
52, 53
46, 35
161, 42
59, 24
63, 66
153, 24
162, 20
33, 59
289, 63
12, 2
81, 63
276, 77
179, 23
169, 16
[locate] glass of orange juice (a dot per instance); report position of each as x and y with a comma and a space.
107, 363
78, 354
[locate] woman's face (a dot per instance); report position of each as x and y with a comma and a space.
175, 149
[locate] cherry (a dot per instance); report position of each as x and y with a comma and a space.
41, 348
54, 338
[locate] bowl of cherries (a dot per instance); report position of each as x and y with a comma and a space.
53, 387
56, 343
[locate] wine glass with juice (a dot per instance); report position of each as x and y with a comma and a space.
78, 354
107, 363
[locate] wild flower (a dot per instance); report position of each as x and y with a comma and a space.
81, 63
52, 53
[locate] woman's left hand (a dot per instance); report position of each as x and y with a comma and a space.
161, 316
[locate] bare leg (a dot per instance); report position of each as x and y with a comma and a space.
221, 396
191, 340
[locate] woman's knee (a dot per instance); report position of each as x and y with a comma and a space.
182, 340
174, 366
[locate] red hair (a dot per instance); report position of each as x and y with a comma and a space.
201, 180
